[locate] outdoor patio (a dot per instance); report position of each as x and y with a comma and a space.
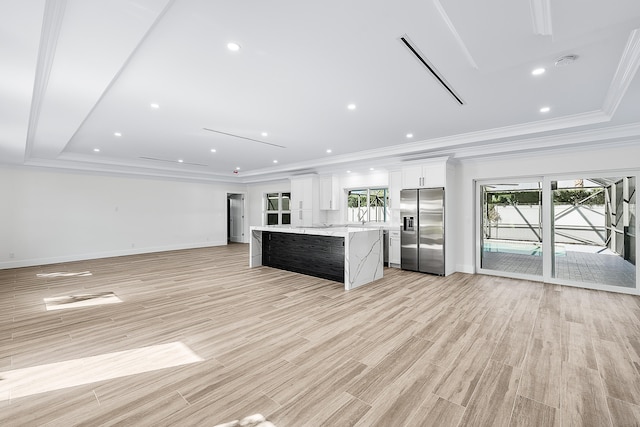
573, 265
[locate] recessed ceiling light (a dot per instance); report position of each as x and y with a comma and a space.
154, 105
329, 151
348, 171
237, 168
180, 160
545, 109
275, 161
117, 134
97, 150
538, 71
265, 134
233, 47
409, 135
213, 150
351, 106
370, 169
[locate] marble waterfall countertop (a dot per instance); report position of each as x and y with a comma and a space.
363, 249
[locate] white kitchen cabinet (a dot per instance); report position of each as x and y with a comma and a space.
304, 205
394, 248
302, 217
329, 193
429, 175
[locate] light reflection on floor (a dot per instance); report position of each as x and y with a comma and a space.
64, 274
55, 376
81, 300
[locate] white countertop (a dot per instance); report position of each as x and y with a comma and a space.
339, 231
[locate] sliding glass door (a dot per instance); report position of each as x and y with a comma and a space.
511, 239
571, 230
594, 224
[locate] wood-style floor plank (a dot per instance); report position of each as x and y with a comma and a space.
583, 401
618, 373
492, 402
529, 413
623, 413
541, 379
408, 350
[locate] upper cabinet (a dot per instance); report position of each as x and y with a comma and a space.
429, 174
304, 201
302, 193
329, 193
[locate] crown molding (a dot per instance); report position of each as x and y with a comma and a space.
613, 136
619, 134
49, 36
448, 144
111, 82
455, 34
129, 170
541, 17
625, 73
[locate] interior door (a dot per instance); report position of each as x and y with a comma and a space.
236, 218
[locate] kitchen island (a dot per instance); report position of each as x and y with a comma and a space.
352, 255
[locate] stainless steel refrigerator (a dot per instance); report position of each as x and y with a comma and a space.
422, 230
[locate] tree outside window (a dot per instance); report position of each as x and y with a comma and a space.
368, 205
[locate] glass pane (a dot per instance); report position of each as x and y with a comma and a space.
357, 206
594, 230
272, 219
272, 201
286, 198
378, 205
512, 228
286, 218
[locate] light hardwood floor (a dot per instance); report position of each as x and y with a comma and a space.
407, 350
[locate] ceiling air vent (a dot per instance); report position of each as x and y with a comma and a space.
155, 159
243, 137
416, 52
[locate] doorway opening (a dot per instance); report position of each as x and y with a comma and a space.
235, 218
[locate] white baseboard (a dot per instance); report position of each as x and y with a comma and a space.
463, 268
106, 254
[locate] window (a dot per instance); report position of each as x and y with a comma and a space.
369, 205
277, 208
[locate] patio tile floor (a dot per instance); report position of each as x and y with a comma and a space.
576, 266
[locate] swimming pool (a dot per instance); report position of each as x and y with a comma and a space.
515, 247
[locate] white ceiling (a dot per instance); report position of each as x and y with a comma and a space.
75, 72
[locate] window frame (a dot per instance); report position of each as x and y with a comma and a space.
280, 212
386, 211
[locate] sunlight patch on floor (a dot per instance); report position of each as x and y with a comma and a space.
55, 376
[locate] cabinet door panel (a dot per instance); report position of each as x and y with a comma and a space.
328, 193
434, 175
412, 177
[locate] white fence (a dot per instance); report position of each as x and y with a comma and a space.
359, 214
573, 224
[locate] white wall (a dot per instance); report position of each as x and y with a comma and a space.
52, 216
579, 161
